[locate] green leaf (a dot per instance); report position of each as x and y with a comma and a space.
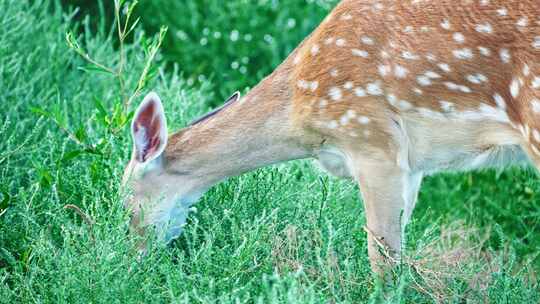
80, 134
99, 106
25, 258
71, 155
94, 151
7, 257
40, 111
45, 177
94, 69
5, 200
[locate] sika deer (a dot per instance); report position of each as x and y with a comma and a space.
385, 92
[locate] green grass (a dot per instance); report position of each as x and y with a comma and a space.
285, 234
251, 37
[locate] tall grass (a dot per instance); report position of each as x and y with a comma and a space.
285, 234
251, 37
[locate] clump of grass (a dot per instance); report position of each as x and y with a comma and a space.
456, 264
64, 143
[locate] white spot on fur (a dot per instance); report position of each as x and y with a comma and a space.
374, 88
502, 11
348, 85
477, 78
384, 70
446, 24
313, 85
378, 6
484, 51
335, 93
392, 99
344, 119
446, 106
535, 104
487, 111
535, 83
464, 53
364, 120
535, 150
315, 49
360, 92
524, 130
445, 67
400, 71
401, 104
323, 103
334, 72
457, 87
423, 80
499, 100
514, 88
431, 57
485, 28
536, 42
404, 105
458, 37
536, 135
505, 55
432, 74
360, 53
302, 84
367, 40
409, 56
340, 42
418, 91
522, 22
452, 86
526, 70
329, 40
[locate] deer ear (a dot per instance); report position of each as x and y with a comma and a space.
234, 97
149, 129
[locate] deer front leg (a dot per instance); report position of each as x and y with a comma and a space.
389, 193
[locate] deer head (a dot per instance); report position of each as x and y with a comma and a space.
159, 197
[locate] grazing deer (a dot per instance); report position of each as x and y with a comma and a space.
385, 92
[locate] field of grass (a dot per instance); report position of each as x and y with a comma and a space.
284, 234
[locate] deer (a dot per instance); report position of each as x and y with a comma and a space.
383, 92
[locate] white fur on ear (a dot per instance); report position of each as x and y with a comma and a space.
149, 129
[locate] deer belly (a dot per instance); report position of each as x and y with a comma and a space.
459, 159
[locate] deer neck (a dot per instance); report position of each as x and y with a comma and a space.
253, 132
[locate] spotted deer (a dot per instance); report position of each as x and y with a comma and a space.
384, 92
